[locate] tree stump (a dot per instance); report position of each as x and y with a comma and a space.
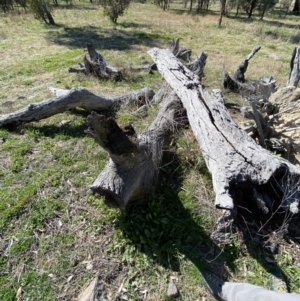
134, 162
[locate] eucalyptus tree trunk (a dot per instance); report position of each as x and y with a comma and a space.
47, 12
222, 12
252, 7
296, 8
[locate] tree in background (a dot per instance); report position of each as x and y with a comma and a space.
41, 10
234, 4
114, 8
249, 6
202, 5
6, 5
265, 5
165, 4
222, 12
296, 8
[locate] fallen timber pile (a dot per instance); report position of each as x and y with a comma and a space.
239, 166
263, 110
241, 169
95, 65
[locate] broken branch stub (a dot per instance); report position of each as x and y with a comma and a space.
197, 65
294, 65
181, 53
239, 74
232, 157
98, 66
261, 88
134, 160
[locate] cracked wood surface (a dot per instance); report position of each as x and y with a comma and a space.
231, 155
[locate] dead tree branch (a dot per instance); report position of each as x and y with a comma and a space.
74, 98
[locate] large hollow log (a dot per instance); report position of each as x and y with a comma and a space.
233, 158
134, 160
79, 97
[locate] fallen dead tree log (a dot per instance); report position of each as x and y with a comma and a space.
67, 100
236, 162
134, 160
97, 66
241, 170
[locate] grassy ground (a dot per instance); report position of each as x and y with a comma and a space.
55, 236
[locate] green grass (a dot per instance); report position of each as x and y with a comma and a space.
55, 236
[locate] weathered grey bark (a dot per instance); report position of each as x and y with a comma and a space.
232, 157
197, 65
255, 89
98, 66
77, 70
239, 74
295, 72
72, 99
261, 136
134, 160
236, 86
181, 53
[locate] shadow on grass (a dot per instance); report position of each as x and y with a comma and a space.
165, 229
273, 21
276, 23
51, 131
110, 39
194, 11
242, 18
294, 39
264, 233
76, 7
